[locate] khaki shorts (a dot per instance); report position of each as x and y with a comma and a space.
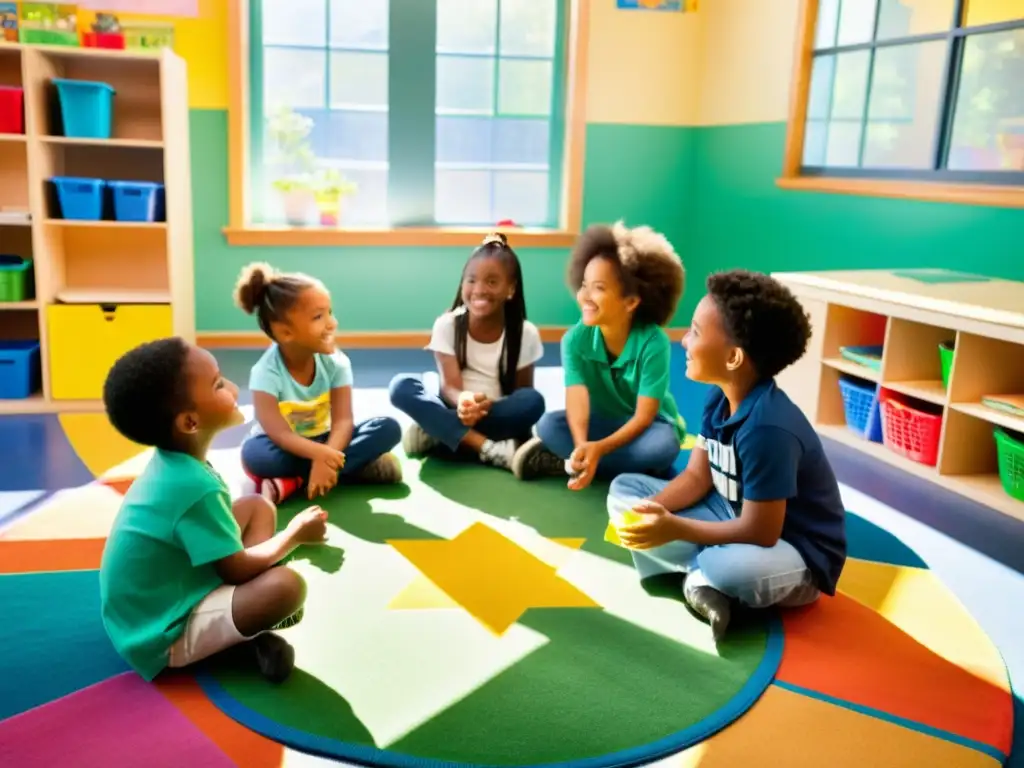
210, 629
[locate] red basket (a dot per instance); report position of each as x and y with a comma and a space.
910, 432
12, 109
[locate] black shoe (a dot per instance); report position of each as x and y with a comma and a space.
532, 460
711, 605
274, 657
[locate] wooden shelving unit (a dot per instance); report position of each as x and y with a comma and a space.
910, 316
100, 286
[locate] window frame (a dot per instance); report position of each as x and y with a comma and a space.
241, 231
935, 186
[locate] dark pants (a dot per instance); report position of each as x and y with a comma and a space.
510, 418
653, 452
264, 458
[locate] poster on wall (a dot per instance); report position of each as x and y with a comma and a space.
678, 6
189, 8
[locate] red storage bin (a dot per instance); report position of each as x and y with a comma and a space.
910, 431
12, 109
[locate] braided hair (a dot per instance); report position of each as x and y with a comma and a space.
495, 246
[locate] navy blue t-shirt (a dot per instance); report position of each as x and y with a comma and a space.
768, 450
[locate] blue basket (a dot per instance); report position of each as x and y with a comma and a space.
860, 404
19, 369
86, 108
138, 200
79, 198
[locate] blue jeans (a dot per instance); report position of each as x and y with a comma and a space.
511, 418
756, 576
372, 438
654, 451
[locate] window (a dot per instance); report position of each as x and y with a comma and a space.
422, 113
911, 90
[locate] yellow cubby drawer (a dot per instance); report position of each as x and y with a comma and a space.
85, 340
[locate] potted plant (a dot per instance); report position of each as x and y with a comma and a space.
330, 188
292, 162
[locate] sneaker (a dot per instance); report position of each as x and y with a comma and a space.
498, 454
274, 656
291, 621
711, 605
277, 489
384, 470
533, 460
416, 441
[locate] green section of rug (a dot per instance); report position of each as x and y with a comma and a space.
632, 678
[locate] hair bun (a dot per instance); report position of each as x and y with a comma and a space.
251, 288
496, 237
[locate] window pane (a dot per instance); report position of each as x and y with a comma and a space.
828, 19
485, 140
463, 197
815, 140
465, 85
359, 79
856, 21
902, 18
849, 91
356, 136
359, 24
294, 22
988, 123
842, 144
521, 196
978, 12
521, 141
528, 27
463, 139
369, 204
903, 109
524, 87
819, 97
294, 78
467, 26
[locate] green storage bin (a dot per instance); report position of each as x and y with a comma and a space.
946, 359
1010, 453
48, 36
15, 279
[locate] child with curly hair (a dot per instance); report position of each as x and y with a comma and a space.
186, 572
305, 433
756, 517
619, 414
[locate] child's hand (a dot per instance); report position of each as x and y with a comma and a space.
322, 478
332, 457
472, 407
584, 462
657, 526
309, 526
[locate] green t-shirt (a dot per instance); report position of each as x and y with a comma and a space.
642, 370
158, 562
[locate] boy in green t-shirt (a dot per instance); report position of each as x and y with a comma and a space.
186, 573
619, 414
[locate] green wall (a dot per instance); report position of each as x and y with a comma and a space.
637, 173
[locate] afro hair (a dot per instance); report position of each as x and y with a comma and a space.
762, 317
146, 389
646, 262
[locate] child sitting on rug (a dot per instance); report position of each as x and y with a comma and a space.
485, 350
185, 573
302, 394
756, 516
619, 414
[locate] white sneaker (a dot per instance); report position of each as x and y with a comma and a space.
416, 441
498, 454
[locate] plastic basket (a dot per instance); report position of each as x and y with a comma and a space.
908, 431
80, 198
1010, 453
869, 356
12, 109
15, 282
19, 369
860, 405
86, 108
946, 360
138, 200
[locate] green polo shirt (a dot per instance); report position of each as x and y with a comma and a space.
642, 370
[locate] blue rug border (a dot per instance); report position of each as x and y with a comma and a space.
758, 682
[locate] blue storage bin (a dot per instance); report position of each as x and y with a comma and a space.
80, 198
86, 108
861, 407
20, 374
138, 200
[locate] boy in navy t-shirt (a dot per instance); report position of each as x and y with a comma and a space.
756, 516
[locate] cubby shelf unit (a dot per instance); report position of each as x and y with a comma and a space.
100, 286
910, 313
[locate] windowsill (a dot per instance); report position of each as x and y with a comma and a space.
408, 237
940, 192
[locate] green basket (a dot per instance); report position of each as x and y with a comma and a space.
1011, 463
48, 36
15, 282
946, 359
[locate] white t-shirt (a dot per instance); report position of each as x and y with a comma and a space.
482, 360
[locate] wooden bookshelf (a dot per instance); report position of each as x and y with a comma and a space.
91, 276
910, 317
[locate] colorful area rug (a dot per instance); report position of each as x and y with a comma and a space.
891, 672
